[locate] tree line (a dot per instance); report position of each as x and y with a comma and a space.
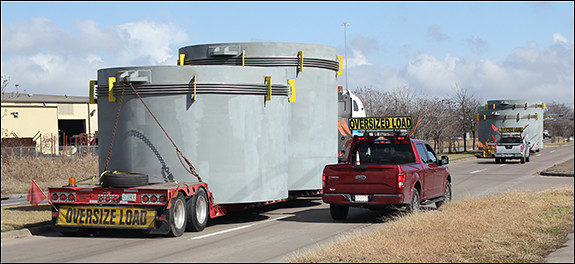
445, 121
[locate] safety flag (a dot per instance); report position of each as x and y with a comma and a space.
479, 144
35, 194
494, 128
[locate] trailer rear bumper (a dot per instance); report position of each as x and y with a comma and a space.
78, 218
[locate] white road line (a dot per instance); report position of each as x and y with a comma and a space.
477, 171
238, 228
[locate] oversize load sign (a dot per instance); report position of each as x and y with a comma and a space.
106, 216
380, 123
510, 129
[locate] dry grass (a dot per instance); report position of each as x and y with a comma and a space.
510, 227
17, 174
18, 217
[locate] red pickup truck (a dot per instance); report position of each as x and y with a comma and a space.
384, 171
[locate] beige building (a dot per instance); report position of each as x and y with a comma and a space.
50, 121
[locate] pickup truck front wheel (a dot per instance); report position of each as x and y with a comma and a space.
338, 212
415, 205
446, 195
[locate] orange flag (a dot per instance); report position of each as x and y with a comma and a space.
35, 194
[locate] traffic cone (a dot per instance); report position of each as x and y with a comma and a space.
357, 162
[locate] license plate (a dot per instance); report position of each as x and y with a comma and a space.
129, 197
361, 198
106, 216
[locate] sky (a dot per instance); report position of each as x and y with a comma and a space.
495, 50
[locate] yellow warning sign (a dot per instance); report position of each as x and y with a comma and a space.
380, 123
511, 129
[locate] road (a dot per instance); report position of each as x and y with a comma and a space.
277, 232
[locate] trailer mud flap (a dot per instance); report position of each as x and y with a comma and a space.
91, 216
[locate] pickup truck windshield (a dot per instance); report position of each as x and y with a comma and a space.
383, 152
510, 140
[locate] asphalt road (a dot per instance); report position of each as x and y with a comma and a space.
274, 233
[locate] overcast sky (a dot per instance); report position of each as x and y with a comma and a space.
496, 50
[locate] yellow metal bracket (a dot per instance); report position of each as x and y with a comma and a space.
340, 67
268, 80
182, 57
300, 63
194, 80
92, 84
111, 97
291, 99
243, 57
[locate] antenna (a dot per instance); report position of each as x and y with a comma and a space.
345, 24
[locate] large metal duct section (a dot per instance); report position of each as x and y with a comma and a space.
312, 116
511, 115
218, 117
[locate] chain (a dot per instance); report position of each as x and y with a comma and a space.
114, 132
191, 169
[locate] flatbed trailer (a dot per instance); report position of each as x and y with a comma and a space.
161, 208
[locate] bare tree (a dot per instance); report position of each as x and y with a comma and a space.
466, 105
559, 120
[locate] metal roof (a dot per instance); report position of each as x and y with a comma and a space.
43, 98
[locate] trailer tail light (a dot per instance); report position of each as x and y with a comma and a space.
108, 198
400, 179
154, 198
63, 196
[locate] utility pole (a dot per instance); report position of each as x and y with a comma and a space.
345, 24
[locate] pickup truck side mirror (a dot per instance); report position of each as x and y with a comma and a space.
444, 160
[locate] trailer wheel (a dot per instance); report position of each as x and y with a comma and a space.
124, 180
446, 194
198, 211
178, 216
414, 205
338, 212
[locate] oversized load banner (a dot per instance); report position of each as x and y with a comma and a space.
380, 123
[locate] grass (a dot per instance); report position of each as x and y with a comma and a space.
18, 217
17, 174
510, 227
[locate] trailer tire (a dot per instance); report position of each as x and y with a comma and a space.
178, 216
124, 180
198, 211
338, 212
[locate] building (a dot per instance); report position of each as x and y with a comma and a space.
48, 122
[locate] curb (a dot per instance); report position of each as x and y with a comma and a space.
26, 232
557, 174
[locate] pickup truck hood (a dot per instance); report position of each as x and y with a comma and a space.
364, 179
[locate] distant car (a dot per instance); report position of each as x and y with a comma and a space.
546, 134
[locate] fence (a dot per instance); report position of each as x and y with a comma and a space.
63, 151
